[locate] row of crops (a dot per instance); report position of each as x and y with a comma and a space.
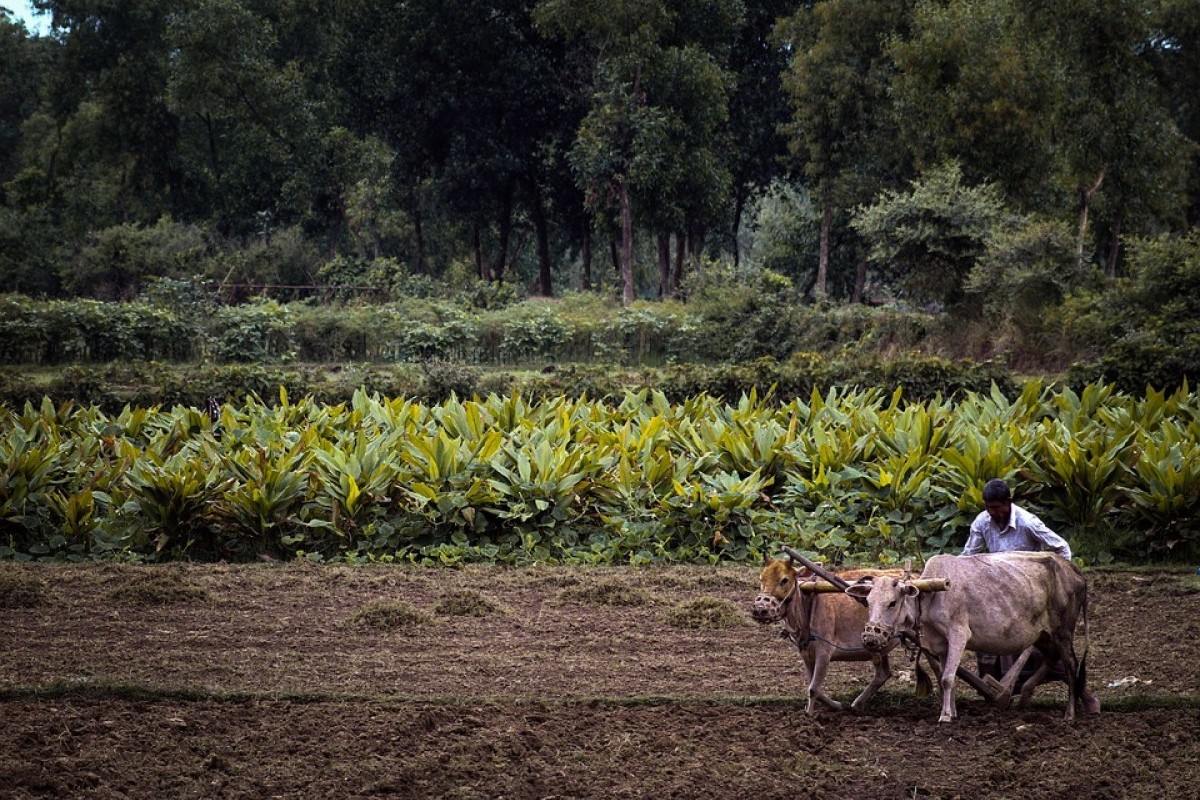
861, 475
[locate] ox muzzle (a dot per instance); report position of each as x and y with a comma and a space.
876, 637
768, 608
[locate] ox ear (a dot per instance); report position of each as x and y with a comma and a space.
909, 590
859, 590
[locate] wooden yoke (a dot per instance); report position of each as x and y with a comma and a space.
923, 584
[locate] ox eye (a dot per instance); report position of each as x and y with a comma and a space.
892, 604
783, 581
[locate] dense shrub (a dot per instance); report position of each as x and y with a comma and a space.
184, 324
1143, 330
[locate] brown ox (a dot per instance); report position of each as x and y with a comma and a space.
824, 627
1004, 603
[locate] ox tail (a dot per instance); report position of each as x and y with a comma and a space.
1081, 677
1081, 670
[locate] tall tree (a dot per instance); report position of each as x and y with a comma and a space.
753, 138
842, 134
974, 84
252, 139
1113, 133
110, 90
469, 98
622, 139
25, 64
1175, 53
658, 97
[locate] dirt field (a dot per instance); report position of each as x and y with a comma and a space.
302, 681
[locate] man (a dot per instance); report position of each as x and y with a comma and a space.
1001, 527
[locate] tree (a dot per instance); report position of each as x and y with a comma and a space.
1175, 56
841, 135
109, 90
974, 84
251, 139
928, 239
622, 139
657, 99
470, 100
753, 139
25, 63
1115, 141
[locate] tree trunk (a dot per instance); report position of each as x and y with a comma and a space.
419, 235
739, 206
627, 295
505, 235
543, 239
1114, 247
1085, 203
664, 265
680, 254
586, 257
821, 287
477, 245
860, 281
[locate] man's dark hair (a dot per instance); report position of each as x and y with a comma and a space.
996, 490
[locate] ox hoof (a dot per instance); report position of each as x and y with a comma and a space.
1091, 703
945, 718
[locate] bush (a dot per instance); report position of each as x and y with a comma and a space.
116, 263
444, 378
1144, 330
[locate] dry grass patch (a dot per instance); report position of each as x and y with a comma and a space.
468, 603
19, 589
605, 593
387, 613
157, 586
706, 613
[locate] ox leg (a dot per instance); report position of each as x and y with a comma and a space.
956, 644
1078, 679
817, 664
1037, 678
1009, 681
883, 671
1071, 664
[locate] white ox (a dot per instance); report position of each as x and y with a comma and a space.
824, 627
1004, 603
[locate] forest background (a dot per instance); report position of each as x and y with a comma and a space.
204, 198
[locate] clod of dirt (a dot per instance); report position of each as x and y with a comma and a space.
467, 603
19, 589
706, 613
158, 587
387, 613
605, 593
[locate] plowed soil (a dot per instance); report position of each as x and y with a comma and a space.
305, 681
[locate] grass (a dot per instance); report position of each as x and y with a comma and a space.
158, 587
468, 603
388, 614
605, 593
19, 589
706, 613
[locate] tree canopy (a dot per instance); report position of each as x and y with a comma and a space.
529, 141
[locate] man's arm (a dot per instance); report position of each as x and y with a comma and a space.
1047, 537
975, 543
